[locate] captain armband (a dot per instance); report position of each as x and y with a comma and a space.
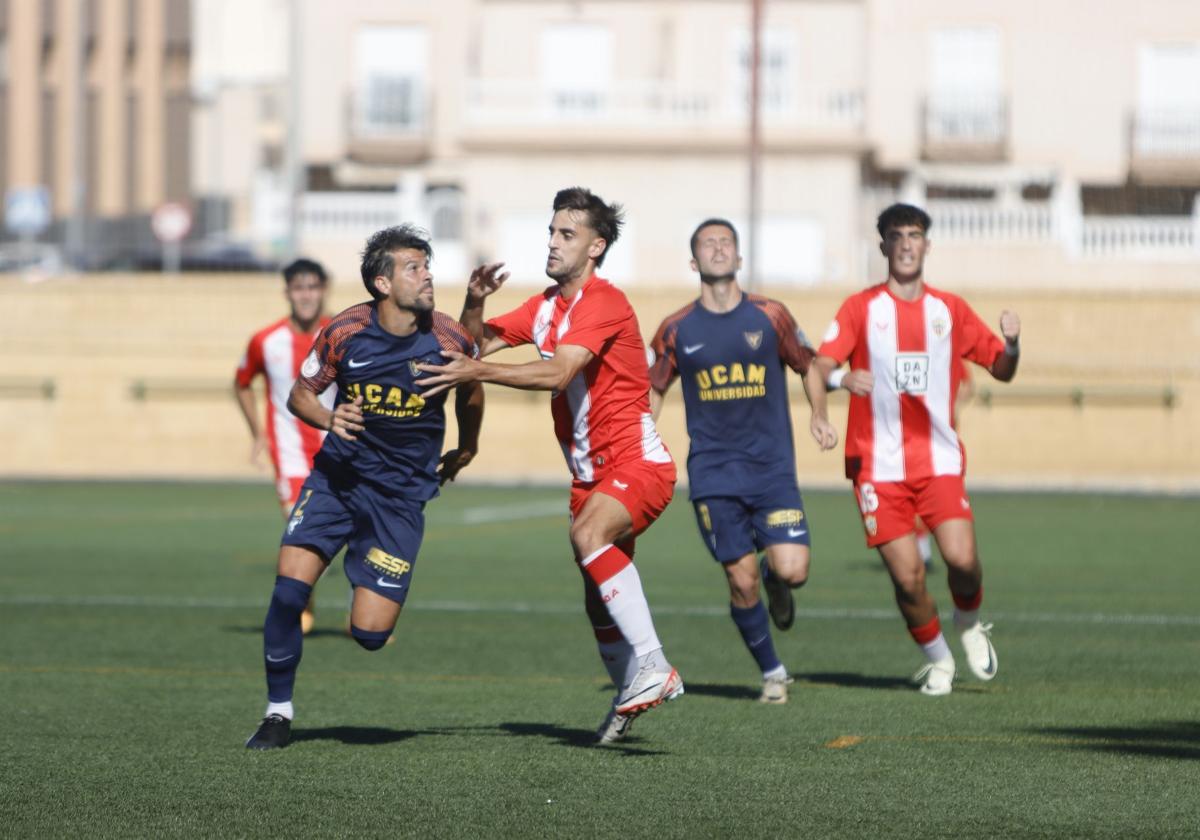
835, 379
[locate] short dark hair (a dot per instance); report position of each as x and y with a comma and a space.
902, 215
304, 266
605, 219
378, 257
714, 221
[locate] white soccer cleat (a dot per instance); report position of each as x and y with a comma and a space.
936, 678
981, 656
649, 688
614, 728
775, 690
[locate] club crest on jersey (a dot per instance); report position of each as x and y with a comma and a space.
940, 327
754, 339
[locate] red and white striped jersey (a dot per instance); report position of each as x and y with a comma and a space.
602, 419
277, 351
904, 430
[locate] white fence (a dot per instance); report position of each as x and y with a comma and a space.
984, 221
652, 104
1141, 237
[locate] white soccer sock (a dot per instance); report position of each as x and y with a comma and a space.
622, 594
937, 650
775, 673
965, 618
284, 709
619, 660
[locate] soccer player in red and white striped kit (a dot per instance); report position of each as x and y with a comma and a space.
276, 352
592, 357
903, 340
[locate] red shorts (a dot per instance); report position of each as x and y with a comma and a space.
643, 487
890, 507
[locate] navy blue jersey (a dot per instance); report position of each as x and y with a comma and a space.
731, 368
399, 450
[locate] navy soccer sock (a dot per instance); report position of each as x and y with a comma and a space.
282, 640
752, 623
370, 639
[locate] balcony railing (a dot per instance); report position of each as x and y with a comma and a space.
967, 125
389, 109
650, 104
981, 221
1141, 237
1167, 133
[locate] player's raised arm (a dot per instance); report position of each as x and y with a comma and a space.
1004, 368
484, 280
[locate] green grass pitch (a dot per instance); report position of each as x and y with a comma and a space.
130, 675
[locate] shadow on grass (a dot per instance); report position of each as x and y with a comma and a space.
575, 738
358, 735
315, 633
1178, 739
856, 681
729, 692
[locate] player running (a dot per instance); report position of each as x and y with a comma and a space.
729, 350
593, 360
377, 468
902, 451
276, 352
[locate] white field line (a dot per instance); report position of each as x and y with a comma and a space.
519, 607
509, 513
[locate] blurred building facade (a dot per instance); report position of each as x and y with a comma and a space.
1054, 143
95, 108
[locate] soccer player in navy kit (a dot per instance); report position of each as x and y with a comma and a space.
729, 350
379, 465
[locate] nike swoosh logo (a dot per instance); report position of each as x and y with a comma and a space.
355, 364
796, 532
271, 658
620, 485
692, 348
386, 585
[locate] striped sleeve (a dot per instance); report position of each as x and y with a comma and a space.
320, 367
794, 347
452, 335
664, 368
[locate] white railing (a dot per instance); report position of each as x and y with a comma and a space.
1170, 133
327, 215
965, 118
650, 104
389, 109
983, 221
1140, 237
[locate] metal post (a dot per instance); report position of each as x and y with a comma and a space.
295, 151
754, 199
78, 219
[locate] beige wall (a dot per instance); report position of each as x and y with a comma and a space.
1069, 69
95, 336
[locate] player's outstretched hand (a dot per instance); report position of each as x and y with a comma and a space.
347, 420
1010, 326
484, 280
859, 382
823, 432
458, 370
452, 462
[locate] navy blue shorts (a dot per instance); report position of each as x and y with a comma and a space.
382, 534
733, 526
